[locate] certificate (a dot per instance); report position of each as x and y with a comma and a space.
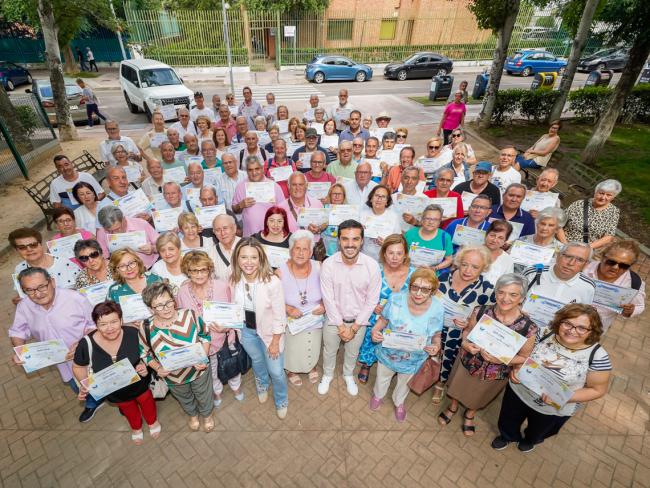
211, 176
452, 310
375, 166
277, 256
449, 206
263, 137
428, 165
342, 114
63, 247
403, 341
390, 157
183, 357
158, 138
17, 286
308, 115
235, 148
379, 132
541, 309
467, 198
193, 159
341, 213
206, 215
529, 254
612, 296
281, 173
283, 125
541, 380
133, 173
305, 159
378, 226
37, 355
536, 200
133, 203
167, 219
158, 201
308, 321
192, 195
318, 126
317, 216
111, 379
229, 315
421, 256
261, 192
468, 236
177, 175
96, 293
517, 227
410, 204
168, 112
133, 308
328, 141
133, 240
317, 189
292, 147
457, 181
498, 340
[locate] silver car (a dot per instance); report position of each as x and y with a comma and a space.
43, 91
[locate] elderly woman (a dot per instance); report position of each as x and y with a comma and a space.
572, 351
616, 259
401, 133
135, 173
496, 235
335, 196
152, 185
548, 223
94, 266
431, 237
414, 312
453, 116
464, 285
192, 236
377, 208
396, 270
86, 214
129, 273
203, 126
274, 135
276, 228
436, 156
170, 328
152, 139
602, 217
168, 246
459, 165
203, 286
329, 129
261, 128
65, 222
458, 137
477, 377
254, 286
300, 277
109, 343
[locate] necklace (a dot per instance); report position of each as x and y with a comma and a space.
302, 294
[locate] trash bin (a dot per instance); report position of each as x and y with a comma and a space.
645, 76
543, 81
599, 78
480, 85
440, 87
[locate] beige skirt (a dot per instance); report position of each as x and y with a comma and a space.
301, 351
474, 393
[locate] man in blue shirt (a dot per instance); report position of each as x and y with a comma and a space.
354, 129
510, 210
477, 217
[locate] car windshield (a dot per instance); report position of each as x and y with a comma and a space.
603, 52
411, 59
159, 77
70, 91
518, 55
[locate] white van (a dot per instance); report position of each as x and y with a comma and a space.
148, 84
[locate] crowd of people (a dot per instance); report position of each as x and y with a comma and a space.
244, 236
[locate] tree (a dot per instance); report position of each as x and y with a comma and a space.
11, 119
627, 20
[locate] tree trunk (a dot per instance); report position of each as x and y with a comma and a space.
579, 43
67, 130
71, 65
10, 118
498, 61
638, 55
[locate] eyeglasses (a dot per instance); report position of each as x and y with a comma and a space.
425, 290
612, 263
40, 289
199, 271
127, 266
430, 219
577, 259
479, 207
434, 147
93, 255
24, 247
568, 326
163, 306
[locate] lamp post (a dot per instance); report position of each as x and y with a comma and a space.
224, 7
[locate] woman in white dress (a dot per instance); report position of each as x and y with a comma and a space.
86, 214
378, 207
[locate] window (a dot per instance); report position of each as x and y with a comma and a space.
129, 74
387, 29
339, 29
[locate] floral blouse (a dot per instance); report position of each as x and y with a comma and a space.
601, 222
84, 279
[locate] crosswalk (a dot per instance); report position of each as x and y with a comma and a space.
282, 92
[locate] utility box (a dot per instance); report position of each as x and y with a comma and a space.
480, 85
543, 81
599, 78
440, 87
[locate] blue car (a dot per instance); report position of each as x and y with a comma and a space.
12, 75
526, 63
336, 68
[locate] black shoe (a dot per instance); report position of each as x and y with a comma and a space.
525, 446
88, 413
499, 443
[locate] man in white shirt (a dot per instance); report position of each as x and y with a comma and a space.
504, 174
310, 113
252, 149
200, 108
174, 196
358, 190
184, 125
61, 187
112, 129
341, 111
229, 179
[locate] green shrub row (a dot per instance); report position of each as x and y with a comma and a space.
533, 105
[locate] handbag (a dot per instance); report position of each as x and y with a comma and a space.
426, 377
157, 385
232, 360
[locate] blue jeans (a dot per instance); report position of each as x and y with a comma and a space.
90, 401
526, 163
92, 108
265, 369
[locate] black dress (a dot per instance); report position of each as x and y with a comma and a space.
284, 244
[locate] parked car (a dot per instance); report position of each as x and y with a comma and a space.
43, 90
325, 68
612, 58
148, 84
419, 65
12, 75
529, 62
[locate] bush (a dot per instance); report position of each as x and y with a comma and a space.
590, 102
27, 118
531, 104
637, 105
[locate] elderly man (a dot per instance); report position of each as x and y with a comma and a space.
504, 174
564, 280
444, 179
61, 186
357, 149
311, 145
201, 108
252, 211
242, 129
184, 125
477, 216
226, 122
357, 191
231, 177
249, 108
113, 221
173, 195
354, 129
393, 178
152, 185
191, 191
343, 166
175, 138
317, 173
511, 211
480, 183
546, 181
224, 228
216, 101
252, 149
341, 111
409, 186
297, 200
112, 128
52, 313
383, 120
310, 113
168, 159
118, 183
192, 148
208, 198
209, 152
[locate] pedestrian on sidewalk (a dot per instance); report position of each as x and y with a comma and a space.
82, 62
91, 60
92, 102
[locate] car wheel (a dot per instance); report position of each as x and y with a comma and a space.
132, 108
526, 72
401, 75
10, 85
509, 72
442, 72
147, 112
29, 79
319, 78
360, 77
601, 67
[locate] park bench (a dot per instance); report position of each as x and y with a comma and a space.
40, 191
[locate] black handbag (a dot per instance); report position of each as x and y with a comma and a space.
232, 360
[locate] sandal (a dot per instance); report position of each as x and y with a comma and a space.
137, 437
154, 430
193, 423
468, 430
363, 374
294, 379
313, 376
208, 424
438, 394
444, 419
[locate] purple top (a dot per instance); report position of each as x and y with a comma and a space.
294, 288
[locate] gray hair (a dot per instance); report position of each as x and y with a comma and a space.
27, 272
553, 171
445, 170
410, 168
584, 245
521, 186
116, 147
388, 135
210, 188
279, 140
252, 159
194, 163
296, 174
155, 290
260, 118
183, 110
85, 244
376, 139
171, 183
512, 279
229, 155
321, 153
109, 216
433, 208
207, 141
164, 143
345, 143
613, 186
228, 217
552, 213
301, 234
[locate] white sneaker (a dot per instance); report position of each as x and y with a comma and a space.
263, 396
351, 385
324, 385
282, 413
88, 127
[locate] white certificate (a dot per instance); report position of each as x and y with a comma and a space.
421, 256
157, 138
309, 114
449, 206
261, 192
328, 141
305, 159
378, 226
317, 216
319, 127
193, 159
177, 175
612, 296
133, 173
224, 314
529, 254
63, 247
342, 114
206, 215
17, 286
133, 203
281, 173
158, 201
411, 204
428, 165
263, 137
457, 181
37, 355
133, 240
467, 198
317, 189
276, 255
541, 309
167, 219
168, 111
468, 236
133, 308
235, 148
375, 166
536, 200
183, 357
541, 380
498, 340
283, 125
96, 293
111, 379
292, 147
192, 195
379, 132
308, 321
517, 227
211, 176
390, 157
341, 213
452, 310
403, 341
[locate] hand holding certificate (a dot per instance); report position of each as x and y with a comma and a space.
177, 175
529, 254
378, 226
498, 340
133, 308
403, 341
410, 204
167, 219
183, 357
316, 189
223, 314
316, 216
340, 213
541, 309
448, 205
261, 192
277, 256
308, 321
96, 293
542, 381
613, 296
63, 247
453, 311
206, 215
422, 256
111, 379
132, 240
37, 355
281, 173
468, 236
133, 203
536, 200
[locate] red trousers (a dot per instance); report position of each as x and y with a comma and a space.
142, 406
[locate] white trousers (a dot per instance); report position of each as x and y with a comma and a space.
331, 343
384, 377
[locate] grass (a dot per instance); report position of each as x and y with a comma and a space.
428, 103
83, 74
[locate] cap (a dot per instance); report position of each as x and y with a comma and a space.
383, 115
483, 166
311, 132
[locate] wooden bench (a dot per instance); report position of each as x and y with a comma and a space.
40, 191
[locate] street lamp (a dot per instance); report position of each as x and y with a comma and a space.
224, 7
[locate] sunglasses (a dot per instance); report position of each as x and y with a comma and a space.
612, 263
457, 135
24, 247
87, 257
401, 136
434, 147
